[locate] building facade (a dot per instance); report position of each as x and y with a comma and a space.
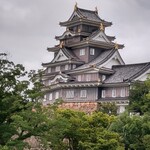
87, 68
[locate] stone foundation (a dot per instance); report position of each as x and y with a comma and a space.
87, 107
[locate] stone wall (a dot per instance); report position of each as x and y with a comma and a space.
87, 107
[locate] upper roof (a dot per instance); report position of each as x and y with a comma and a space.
126, 73
66, 55
104, 56
83, 15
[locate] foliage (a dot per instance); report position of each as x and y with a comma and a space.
20, 112
77, 130
140, 97
108, 108
134, 131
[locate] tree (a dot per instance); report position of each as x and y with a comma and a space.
108, 108
21, 114
134, 131
76, 130
140, 97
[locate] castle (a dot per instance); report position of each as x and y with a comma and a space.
87, 68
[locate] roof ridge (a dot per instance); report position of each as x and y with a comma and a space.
112, 51
86, 10
140, 71
131, 64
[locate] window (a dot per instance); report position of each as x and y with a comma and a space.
122, 94
103, 93
57, 68
79, 77
66, 67
56, 95
83, 93
113, 92
49, 70
92, 51
88, 77
74, 66
70, 94
50, 96
82, 52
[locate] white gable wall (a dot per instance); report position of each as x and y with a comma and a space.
101, 37
144, 76
114, 60
60, 57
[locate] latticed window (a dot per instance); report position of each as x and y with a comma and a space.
56, 95
66, 67
57, 68
79, 77
122, 94
83, 93
70, 94
114, 92
82, 52
49, 70
88, 77
103, 93
92, 51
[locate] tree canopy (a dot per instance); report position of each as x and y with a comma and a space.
140, 97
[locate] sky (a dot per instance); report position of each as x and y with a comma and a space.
28, 27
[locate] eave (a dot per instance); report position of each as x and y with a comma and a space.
99, 44
98, 70
53, 49
50, 64
72, 85
75, 34
85, 21
116, 100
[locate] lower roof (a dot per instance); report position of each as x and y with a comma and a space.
127, 73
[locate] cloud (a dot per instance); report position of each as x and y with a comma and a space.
28, 27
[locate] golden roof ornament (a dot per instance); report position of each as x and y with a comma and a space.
116, 46
96, 10
61, 44
79, 30
75, 6
101, 27
67, 29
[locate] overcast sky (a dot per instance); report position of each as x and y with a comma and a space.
28, 27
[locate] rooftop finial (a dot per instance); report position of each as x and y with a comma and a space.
61, 44
101, 27
76, 6
96, 10
116, 46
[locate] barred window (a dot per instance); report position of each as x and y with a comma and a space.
83, 93
70, 94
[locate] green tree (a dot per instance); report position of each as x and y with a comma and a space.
134, 131
108, 108
140, 97
21, 115
77, 130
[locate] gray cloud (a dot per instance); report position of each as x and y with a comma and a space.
27, 28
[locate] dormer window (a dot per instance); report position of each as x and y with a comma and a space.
92, 51
82, 52
57, 68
